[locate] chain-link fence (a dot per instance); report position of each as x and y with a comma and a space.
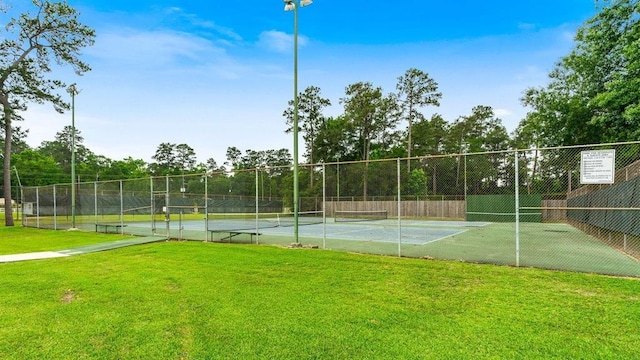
570, 208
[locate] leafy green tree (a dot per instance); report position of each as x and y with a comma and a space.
172, 159
528, 136
30, 42
481, 131
610, 44
372, 115
429, 137
185, 157
233, 158
92, 166
416, 89
165, 158
60, 148
310, 117
336, 140
37, 168
127, 168
274, 163
594, 92
19, 139
562, 114
416, 184
212, 166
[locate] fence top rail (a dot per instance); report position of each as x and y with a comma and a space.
578, 208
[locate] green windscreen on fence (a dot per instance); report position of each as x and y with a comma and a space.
623, 199
502, 208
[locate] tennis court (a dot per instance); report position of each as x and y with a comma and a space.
386, 231
545, 245
411, 232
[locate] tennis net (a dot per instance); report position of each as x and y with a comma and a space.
247, 221
359, 215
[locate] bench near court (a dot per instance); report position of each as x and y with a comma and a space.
117, 228
232, 234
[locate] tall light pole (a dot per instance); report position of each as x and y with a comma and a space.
73, 91
290, 5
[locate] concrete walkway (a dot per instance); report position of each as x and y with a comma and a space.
80, 250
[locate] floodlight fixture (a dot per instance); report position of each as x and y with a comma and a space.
289, 5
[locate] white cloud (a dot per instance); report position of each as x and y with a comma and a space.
279, 41
147, 48
502, 112
196, 21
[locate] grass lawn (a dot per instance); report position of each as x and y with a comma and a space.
16, 240
194, 300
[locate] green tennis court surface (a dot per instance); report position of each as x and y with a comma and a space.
545, 245
385, 231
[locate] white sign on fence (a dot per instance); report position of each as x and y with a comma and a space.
597, 166
27, 208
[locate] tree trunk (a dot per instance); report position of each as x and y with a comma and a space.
435, 177
6, 166
366, 170
458, 172
535, 168
311, 172
364, 179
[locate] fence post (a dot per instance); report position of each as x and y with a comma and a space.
95, 203
38, 207
206, 206
167, 213
257, 209
324, 206
121, 208
55, 210
399, 209
517, 201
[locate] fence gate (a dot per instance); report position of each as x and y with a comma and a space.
160, 214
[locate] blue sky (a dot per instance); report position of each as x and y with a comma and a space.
214, 74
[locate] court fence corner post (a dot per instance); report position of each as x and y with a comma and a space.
517, 207
399, 203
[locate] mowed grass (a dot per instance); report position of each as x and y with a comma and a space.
194, 300
16, 239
